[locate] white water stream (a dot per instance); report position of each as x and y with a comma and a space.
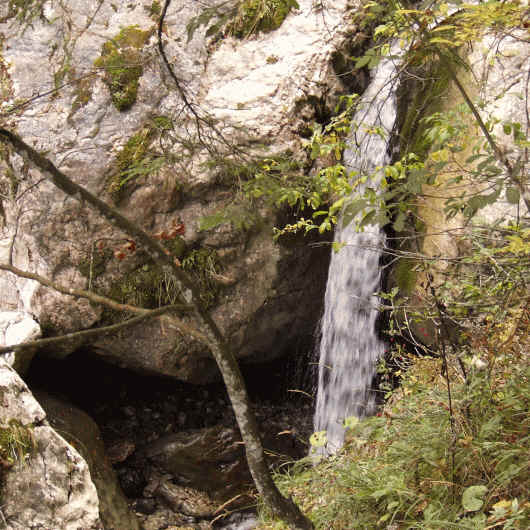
350, 346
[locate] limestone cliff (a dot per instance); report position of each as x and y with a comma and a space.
84, 83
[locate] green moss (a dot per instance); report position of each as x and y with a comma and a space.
121, 59
419, 100
16, 443
149, 285
136, 159
133, 155
203, 264
83, 94
95, 264
24, 10
155, 9
254, 16
405, 276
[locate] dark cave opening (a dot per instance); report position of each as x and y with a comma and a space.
139, 411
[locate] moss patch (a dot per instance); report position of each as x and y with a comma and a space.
155, 9
95, 264
405, 276
203, 264
254, 16
147, 286
83, 94
16, 444
24, 10
121, 59
6, 90
135, 159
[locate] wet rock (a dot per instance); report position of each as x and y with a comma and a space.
187, 501
81, 431
145, 506
132, 480
210, 459
120, 451
164, 518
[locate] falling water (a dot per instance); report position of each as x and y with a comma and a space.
350, 346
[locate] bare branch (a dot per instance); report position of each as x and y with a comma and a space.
95, 332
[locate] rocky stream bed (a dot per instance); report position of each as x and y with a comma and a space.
174, 447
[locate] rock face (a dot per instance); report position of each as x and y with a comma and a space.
47, 484
17, 327
117, 124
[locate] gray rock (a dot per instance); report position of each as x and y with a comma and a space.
17, 327
211, 460
187, 501
47, 484
268, 294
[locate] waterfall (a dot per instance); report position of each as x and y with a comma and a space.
350, 346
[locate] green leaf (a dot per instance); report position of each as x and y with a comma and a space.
318, 439
351, 210
362, 61
472, 498
507, 128
350, 422
512, 195
399, 223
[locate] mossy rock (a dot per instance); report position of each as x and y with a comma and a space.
254, 16
94, 265
405, 276
135, 159
24, 10
147, 286
121, 59
203, 265
83, 94
16, 444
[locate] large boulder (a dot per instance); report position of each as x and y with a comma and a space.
44, 481
126, 134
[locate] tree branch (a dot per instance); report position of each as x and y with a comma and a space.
86, 333
81, 293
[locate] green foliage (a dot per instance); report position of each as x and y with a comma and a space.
204, 265
137, 159
16, 443
25, 11
155, 8
239, 216
147, 286
254, 16
122, 61
274, 182
248, 17
434, 459
397, 469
